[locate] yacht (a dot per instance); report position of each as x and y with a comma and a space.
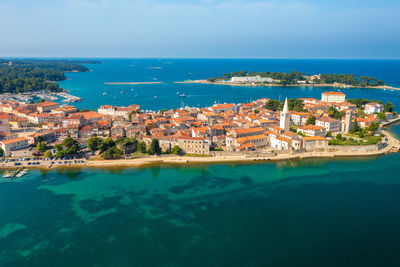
104, 93
182, 95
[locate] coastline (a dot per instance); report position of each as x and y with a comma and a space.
383, 87
120, 83
393, 146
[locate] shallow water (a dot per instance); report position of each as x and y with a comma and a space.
314, 212
317, 212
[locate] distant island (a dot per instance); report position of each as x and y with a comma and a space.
294, 78
28, 75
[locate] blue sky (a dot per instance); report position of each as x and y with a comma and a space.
201, 28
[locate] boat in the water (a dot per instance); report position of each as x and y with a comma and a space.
182, 95
104, 93
155, 96
177, 93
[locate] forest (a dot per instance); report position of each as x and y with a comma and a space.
27, 75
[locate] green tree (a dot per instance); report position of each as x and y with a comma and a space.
176, 150
310, 120
58, 147
154, 148
389, 107
48, 154
339, 136
41, 146
94, 143
273, 105
329, 134
382, 116
107, 143
373, 127
142, 147
1, 152
71, 146
112, 153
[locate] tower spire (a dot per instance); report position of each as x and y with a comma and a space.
285, 117
285, 106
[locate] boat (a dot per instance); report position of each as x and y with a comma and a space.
131, 89
177, 93
104, 93
115, 97
135, 95
122, 92
155, 96
182, 95
7, 175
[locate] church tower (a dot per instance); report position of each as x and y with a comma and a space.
285, 117
348, 125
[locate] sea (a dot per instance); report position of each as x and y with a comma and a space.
313, 212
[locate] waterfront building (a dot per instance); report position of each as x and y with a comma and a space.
315, 143
333, 97
13, 144
257, 141
194, 145
285, 117
371, 108
251, 79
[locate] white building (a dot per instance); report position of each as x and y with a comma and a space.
373, 107
333, 97
107, 110
13, 144
251, 79
330, 124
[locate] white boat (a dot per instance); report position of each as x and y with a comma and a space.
182, 95
122, 92
104, 93
177, 93
155, 96
7, 175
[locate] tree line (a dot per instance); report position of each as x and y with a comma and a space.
19, 76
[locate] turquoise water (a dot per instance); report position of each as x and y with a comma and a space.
316, 212
90, 85
298, 213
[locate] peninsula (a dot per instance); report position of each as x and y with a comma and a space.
33, 75
294, 78
47, 134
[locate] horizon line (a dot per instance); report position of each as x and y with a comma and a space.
248, 58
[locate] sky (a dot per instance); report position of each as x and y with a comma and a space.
201, 28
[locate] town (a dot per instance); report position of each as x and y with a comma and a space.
48, 130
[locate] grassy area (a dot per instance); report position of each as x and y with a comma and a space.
368, 140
